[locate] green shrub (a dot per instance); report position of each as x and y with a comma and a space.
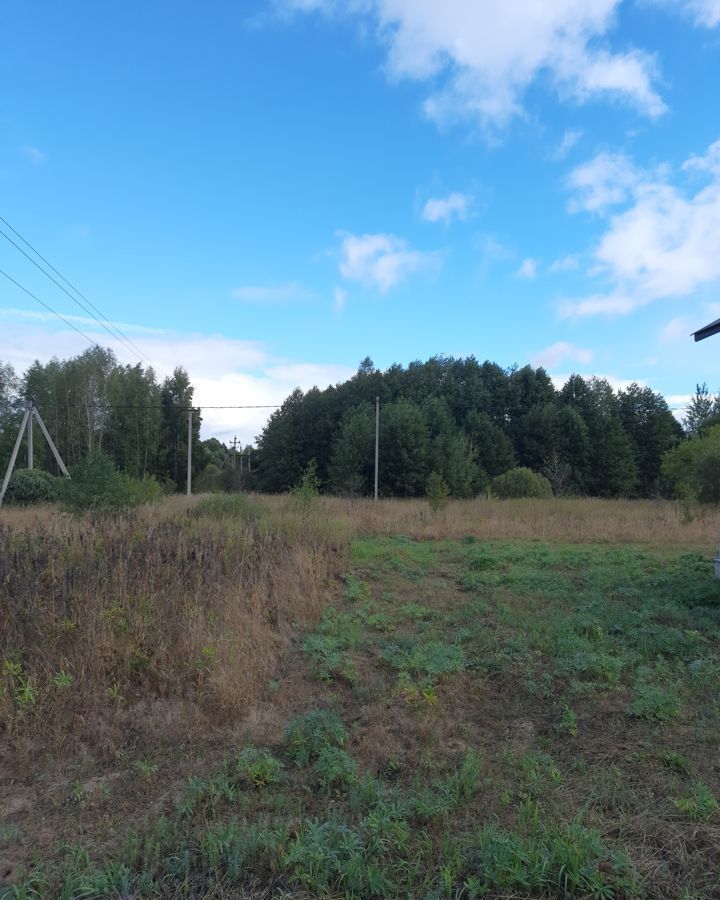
308, 735
701, 804
521, 482
258, 766
691, 471
97, 484
437, 492
306, 492
334, 768
655, 704
29, 486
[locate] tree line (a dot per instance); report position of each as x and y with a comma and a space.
92, 402
467, 421
470, 422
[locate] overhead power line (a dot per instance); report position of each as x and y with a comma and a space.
49, 308
104, 322
143, 406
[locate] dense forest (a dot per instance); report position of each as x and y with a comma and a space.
469, 422
91, 402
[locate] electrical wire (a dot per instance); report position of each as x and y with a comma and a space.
48, 307
110, 327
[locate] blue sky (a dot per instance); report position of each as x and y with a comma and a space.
266, 192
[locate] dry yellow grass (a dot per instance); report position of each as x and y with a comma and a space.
115, 621
565, 520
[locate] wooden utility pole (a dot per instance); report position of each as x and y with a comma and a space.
377, 443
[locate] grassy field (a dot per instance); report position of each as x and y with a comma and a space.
246, 699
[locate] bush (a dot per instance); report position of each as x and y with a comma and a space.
691, 471
97, 484
32, 486
308, 735
306, 491
521, 482
437, 492
258, 766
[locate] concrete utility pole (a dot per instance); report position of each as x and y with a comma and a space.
26, 425
377, 443
189, 471
30, 434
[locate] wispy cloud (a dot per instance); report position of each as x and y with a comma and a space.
381, 261
481, 58
677, 329
277, 293
528, 268
704, 13
561, 352
445, 209
224, 371
31, 315
37, 157
341, 297
568, 141
568, 263
604, 181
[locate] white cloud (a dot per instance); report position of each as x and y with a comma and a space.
596, 304
528, 268
676, 329
702, 12
606, 180
663, 244
568, 263
482, 56
279, 293
569, 139
561, 352
379, 260
225, 371
36, 157
617, 384
341, 298
32, 315
444, 209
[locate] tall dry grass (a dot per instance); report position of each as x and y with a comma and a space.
109, 624
571, 520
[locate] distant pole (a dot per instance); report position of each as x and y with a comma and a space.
189, 471
377, 443
30, 435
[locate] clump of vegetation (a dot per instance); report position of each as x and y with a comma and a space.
328, 656
691, 471
307, 736
521, 482
700, 803
334, 768
258, 766
437, 492
28, 486
306, 492
656, 704
97, 485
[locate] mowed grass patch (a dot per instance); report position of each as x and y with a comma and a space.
477, 719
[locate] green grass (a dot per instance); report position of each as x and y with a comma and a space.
487, 720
